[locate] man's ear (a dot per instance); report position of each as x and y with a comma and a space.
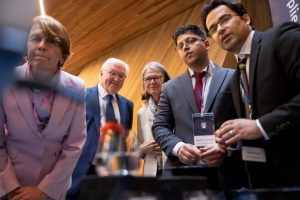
246, 19
206, 43
100, 74
60, 63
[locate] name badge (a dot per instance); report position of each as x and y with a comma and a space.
203, 129
254, 154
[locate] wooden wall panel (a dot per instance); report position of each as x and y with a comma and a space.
260, 14
98, 26
154, 45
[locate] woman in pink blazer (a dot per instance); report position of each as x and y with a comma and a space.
42, 132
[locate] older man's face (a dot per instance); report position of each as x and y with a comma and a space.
112, 80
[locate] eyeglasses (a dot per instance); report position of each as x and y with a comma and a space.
222, 22
35, 38
189, 41
115, 75
150, 78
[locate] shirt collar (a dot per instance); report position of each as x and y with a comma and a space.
246, 48
103, 93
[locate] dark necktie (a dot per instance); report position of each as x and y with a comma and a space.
245, 86
198, 88
110, 114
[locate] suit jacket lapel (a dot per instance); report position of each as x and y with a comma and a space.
215, 85
60, 104
188, 91
24, 100
236, 94
255, 48
59, 107
235, 84
95, 105
26, 107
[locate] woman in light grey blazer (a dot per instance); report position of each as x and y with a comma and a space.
154, 75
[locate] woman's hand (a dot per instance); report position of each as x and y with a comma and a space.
150, 147
27, 193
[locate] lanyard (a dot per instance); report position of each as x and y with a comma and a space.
201, 95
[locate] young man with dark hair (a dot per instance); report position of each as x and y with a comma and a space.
173, 125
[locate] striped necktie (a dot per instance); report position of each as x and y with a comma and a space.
245, 87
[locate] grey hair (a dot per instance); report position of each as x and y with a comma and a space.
107, 64
156, 66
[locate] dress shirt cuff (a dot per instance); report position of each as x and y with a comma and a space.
262, 130
176, 148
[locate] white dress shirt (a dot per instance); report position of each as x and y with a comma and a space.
102, 101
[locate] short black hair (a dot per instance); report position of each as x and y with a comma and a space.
238, 8
188, 28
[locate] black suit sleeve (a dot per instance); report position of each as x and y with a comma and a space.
285, 117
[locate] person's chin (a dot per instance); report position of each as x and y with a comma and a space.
229, 44
38, 63
190, 58
152, 92
189, 61
113, 90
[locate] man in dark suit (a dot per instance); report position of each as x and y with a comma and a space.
270, 133
112, 77
173, 125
